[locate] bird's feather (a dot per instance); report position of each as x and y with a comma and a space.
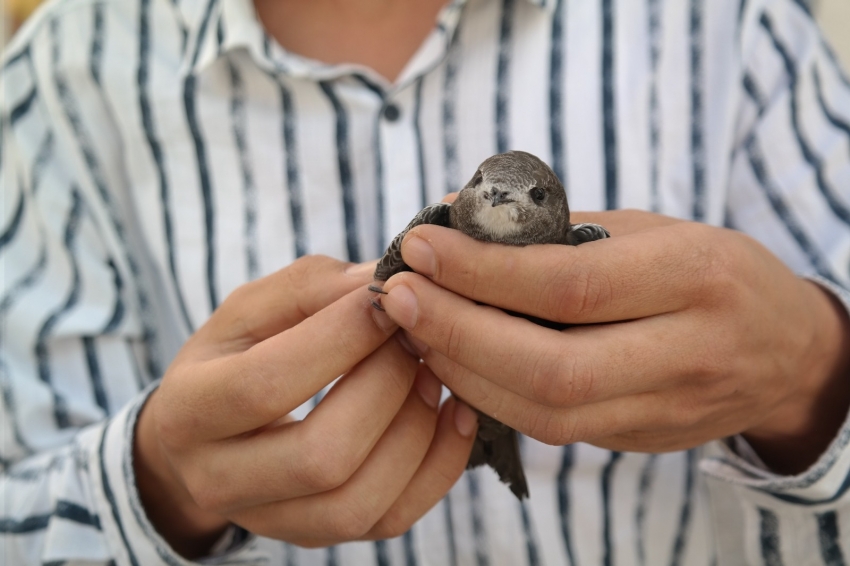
392, 262
506, 178
497, 445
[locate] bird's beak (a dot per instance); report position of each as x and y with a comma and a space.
499, 197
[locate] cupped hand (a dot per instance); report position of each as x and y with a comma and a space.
687, 333
214, 443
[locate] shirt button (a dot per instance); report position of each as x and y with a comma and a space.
391, 112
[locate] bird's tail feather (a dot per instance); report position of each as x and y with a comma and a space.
497, 446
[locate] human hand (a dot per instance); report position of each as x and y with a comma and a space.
214, 443
690, 333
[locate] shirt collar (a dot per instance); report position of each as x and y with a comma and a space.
214, 27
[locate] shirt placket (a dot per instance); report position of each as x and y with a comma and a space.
401, 151
398, 174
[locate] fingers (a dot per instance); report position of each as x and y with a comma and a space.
557, 369
349, 511
556, 426
623, 222
322, 451
267, 306
648, 272
247, 390
440, 469
641, 422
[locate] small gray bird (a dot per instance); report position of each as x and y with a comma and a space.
513, 198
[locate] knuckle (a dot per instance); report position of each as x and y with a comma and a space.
391, 525
238, 297
303, 270
594, 289
172, 421
320, 467
476, 281
206, 497
207, 488
454, 339
685, 413
714, 360
349, 520
253, 389
555, 429
231, 317
297, 272
548, 384
576, 292
560, 382
712, 274
171, 429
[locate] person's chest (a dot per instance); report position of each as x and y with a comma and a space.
244, 166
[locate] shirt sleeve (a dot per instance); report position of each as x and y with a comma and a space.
77, 339
790, 189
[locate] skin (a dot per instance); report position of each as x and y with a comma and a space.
380, 34
697, 333
214, 444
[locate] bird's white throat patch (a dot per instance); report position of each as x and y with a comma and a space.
498, 220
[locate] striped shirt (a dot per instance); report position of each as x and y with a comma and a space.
156, 154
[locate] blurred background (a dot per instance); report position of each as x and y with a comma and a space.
833, 15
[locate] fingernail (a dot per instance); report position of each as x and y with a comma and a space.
418, 345
429, 388
466, 420
360, 269
419, 255
383, 321
402, 303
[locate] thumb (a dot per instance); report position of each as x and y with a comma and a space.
263, 308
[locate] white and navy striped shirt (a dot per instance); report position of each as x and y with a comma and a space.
157, 154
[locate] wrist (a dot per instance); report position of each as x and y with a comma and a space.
798, 431
188, 529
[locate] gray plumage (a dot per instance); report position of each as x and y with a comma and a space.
513, 198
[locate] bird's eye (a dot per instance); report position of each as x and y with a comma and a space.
538, 194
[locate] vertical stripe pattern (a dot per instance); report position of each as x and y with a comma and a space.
157, 155
238, 118
556, 93
830, 539
654, 24
564, 510
293, 179
344, 169
608, 105
502, 76
769, 538
607, 480
142, 80
697, 141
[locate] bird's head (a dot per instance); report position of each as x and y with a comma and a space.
515, 198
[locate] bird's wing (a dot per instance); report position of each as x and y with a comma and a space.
582, 233
392, 263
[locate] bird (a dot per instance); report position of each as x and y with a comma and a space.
513, 198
